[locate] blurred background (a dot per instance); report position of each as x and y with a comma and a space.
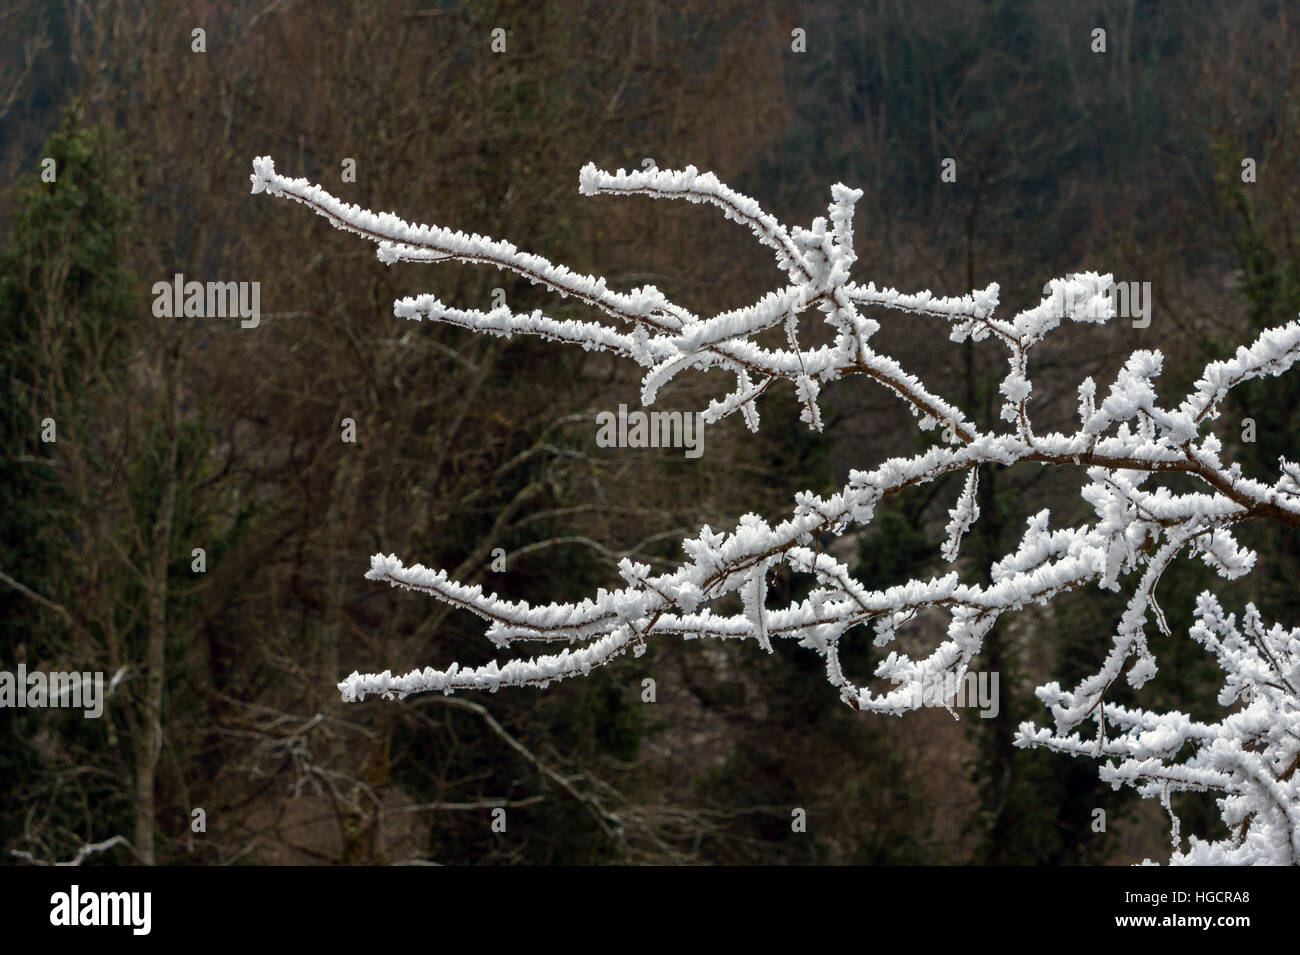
183, 433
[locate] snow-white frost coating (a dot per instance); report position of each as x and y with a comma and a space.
1124, 440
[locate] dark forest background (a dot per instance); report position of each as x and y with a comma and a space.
176, 434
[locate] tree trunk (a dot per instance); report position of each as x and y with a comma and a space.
150, 744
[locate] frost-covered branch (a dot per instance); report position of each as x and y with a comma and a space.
1249, 757
1123, 441
83, 852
